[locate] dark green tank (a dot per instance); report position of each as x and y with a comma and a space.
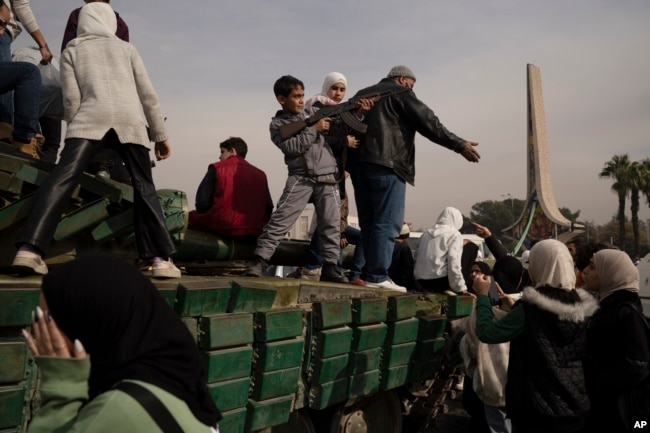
298, 356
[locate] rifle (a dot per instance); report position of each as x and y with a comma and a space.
343, 109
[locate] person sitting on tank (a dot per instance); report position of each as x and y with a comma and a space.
233, 199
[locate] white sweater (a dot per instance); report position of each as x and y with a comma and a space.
105, 85
20, 11
439, 256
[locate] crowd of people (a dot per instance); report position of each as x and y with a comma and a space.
556, 343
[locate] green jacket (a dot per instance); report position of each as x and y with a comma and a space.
65, 406
506, 329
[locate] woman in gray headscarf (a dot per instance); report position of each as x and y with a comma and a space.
438, 257
618, 357
545, 389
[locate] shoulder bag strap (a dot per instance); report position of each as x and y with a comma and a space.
152, 405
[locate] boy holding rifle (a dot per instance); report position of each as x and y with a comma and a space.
313, 177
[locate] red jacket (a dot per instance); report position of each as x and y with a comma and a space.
239, 205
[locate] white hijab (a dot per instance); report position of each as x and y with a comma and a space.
550, 264
616, 272
96, 20
330, 79
449, 220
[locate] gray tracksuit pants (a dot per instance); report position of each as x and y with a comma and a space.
297, 193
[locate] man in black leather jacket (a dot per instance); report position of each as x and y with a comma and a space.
385, 161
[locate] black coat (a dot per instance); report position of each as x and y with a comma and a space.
617, 356
392, 124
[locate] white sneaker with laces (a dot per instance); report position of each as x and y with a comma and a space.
165, 269
388, 285
29, 262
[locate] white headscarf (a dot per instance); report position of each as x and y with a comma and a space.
550, 264
330, 79
96, 20
616, 272
449, 220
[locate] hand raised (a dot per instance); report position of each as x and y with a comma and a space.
49, 340
469, 153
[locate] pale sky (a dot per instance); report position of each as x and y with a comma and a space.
214, 64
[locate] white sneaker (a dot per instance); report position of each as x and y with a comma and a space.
388, 285
28, 262
165, 269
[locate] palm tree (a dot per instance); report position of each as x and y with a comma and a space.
617, 169
645, 178
635, 182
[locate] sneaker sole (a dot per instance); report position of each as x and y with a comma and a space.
166, 274
377, 286
25, 267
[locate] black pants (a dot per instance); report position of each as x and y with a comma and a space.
151, 235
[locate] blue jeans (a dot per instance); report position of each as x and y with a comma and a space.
6, 98
25, 80
314, 260
380, 195
358, 259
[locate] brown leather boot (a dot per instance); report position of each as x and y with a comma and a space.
32, 148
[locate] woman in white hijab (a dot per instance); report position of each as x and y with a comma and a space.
438, 257
618, 357
545, 389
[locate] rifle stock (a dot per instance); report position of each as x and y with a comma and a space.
290, 129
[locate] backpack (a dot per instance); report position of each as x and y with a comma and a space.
634, 405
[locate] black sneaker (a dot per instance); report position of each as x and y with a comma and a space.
331, 274
256, 268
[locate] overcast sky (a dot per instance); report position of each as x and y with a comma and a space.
214, 63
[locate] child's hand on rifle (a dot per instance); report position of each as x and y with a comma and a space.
322, 126
353, 142
364, 105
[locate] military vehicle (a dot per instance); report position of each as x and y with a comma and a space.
282, 354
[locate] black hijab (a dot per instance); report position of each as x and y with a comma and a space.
510, 274
128, 330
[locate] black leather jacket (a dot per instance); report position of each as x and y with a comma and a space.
392, 124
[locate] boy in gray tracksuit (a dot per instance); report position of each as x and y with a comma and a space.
313, 178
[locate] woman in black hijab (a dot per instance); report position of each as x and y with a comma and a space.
131, 334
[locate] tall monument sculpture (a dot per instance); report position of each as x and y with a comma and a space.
541, 218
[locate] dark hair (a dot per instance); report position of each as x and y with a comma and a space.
585, 252
575, 242
285, 84
235, 143
485, 268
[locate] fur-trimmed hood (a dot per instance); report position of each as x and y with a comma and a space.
576, 313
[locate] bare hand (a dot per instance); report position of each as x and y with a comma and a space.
49, 340
163, 150
353, 142
364, 105
323, 125
505, 301
482, 231
343, 242
46, 55
467, 293
469, 153
481, 284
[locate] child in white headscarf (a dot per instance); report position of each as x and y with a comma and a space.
438, 257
